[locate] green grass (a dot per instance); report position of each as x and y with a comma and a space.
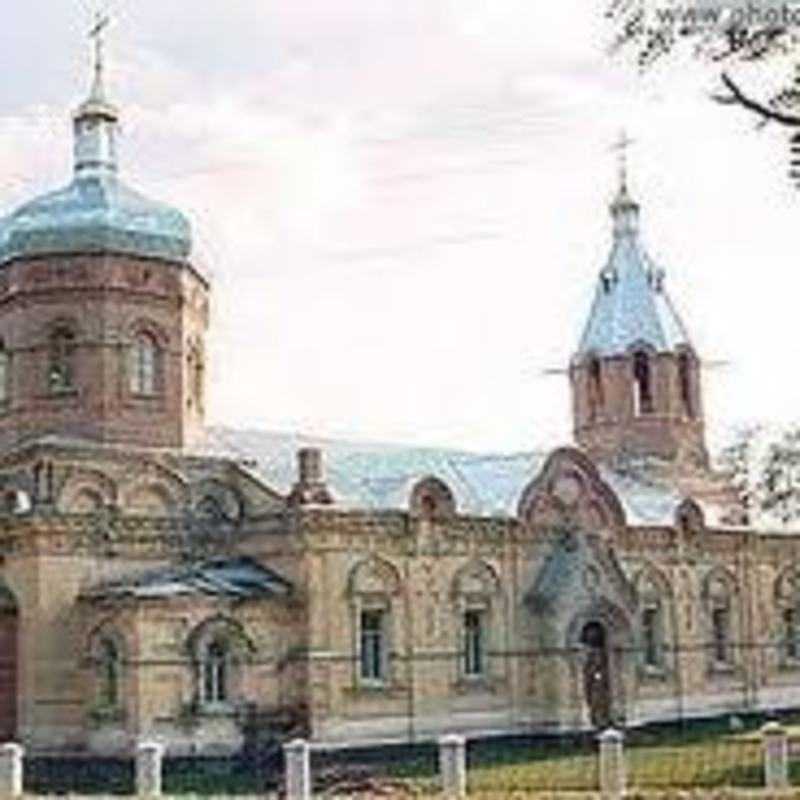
711, 763
218, 776
550, 769
703, 754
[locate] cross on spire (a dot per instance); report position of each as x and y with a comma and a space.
621, 146
96, 119
102, 21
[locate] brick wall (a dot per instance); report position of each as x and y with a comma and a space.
105, 300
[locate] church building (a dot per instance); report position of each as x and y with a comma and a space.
154, 586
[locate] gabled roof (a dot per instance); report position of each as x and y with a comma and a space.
564, 569
631, 305
240, 577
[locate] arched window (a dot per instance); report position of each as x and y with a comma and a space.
596, 394
220, 650
642, 381
787, 600
431, 498
656, 622
474, 642
145, 365
196, 376
791, 633
4, 373
652, 619
476, 599
216, 672
719, 608
108, 673
651, 648
373, 587
372, 644
720, 625
107, 695
685, 379
61, 360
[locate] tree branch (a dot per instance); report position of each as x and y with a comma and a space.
767, 114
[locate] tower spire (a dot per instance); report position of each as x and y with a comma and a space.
635, 377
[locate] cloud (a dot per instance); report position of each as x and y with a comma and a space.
404, 204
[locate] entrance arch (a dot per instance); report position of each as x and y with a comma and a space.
9, 627
596, 678
600, 636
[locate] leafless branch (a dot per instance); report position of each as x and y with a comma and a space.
767, 114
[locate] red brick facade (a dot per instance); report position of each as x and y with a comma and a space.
609, 421
101, 303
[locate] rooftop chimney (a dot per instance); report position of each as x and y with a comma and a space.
310, 488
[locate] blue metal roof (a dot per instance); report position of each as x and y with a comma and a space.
95, 213
376, 476
3, 232
631, 305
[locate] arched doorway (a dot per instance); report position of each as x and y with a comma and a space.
596, 678
9, 616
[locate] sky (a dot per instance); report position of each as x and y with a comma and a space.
404, 206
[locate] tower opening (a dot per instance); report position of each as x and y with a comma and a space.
642, 382
4, 373
595, 388
685, 379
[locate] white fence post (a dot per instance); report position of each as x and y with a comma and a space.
612, 764
453, 765
776, 755
149, 756
298, 769
11, 755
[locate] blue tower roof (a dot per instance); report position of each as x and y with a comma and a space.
96, 212
631, 305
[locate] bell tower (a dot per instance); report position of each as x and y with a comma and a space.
635, 377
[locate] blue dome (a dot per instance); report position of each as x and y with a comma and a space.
95, 213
